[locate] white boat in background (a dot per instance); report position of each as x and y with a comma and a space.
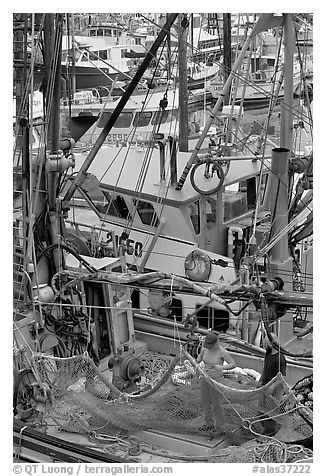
140, 118
98, 60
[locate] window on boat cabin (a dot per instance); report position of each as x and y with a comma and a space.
123, 53
142, 119
212, 318
194, 213
85, 56
160, 117
210, 210
147, 213
93, 55
239, 198
137, 41
113, 205
263, 188
124, 120
103, 54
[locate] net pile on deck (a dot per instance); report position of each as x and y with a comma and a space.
84, 401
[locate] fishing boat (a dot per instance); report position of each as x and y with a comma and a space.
262, 69
106, 54
107, 326
87, 114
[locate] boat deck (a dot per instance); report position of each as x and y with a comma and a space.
154, 446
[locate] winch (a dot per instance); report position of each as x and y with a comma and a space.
126, 368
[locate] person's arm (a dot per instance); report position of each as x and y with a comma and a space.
230, 362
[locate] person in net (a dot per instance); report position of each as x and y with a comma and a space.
213, 357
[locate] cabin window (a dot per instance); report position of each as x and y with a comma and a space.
123, 53
93, 55
142, 119
147, 213
92, 32
212, 318
100, 32
263, 188
124, 120
113, 205
250, 186
85, 56
160, 117
194, 213
239, 198
103, 54
137, 41
121, 206
104, 119
210, 210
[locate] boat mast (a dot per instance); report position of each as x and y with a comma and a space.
183, 82
280, 260
287, 104
53, 44
226, 52
168, 53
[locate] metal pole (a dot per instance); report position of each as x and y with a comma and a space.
287, 104
73, 59
183, 84
279, 202
115, 114
226, 52
54, 123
